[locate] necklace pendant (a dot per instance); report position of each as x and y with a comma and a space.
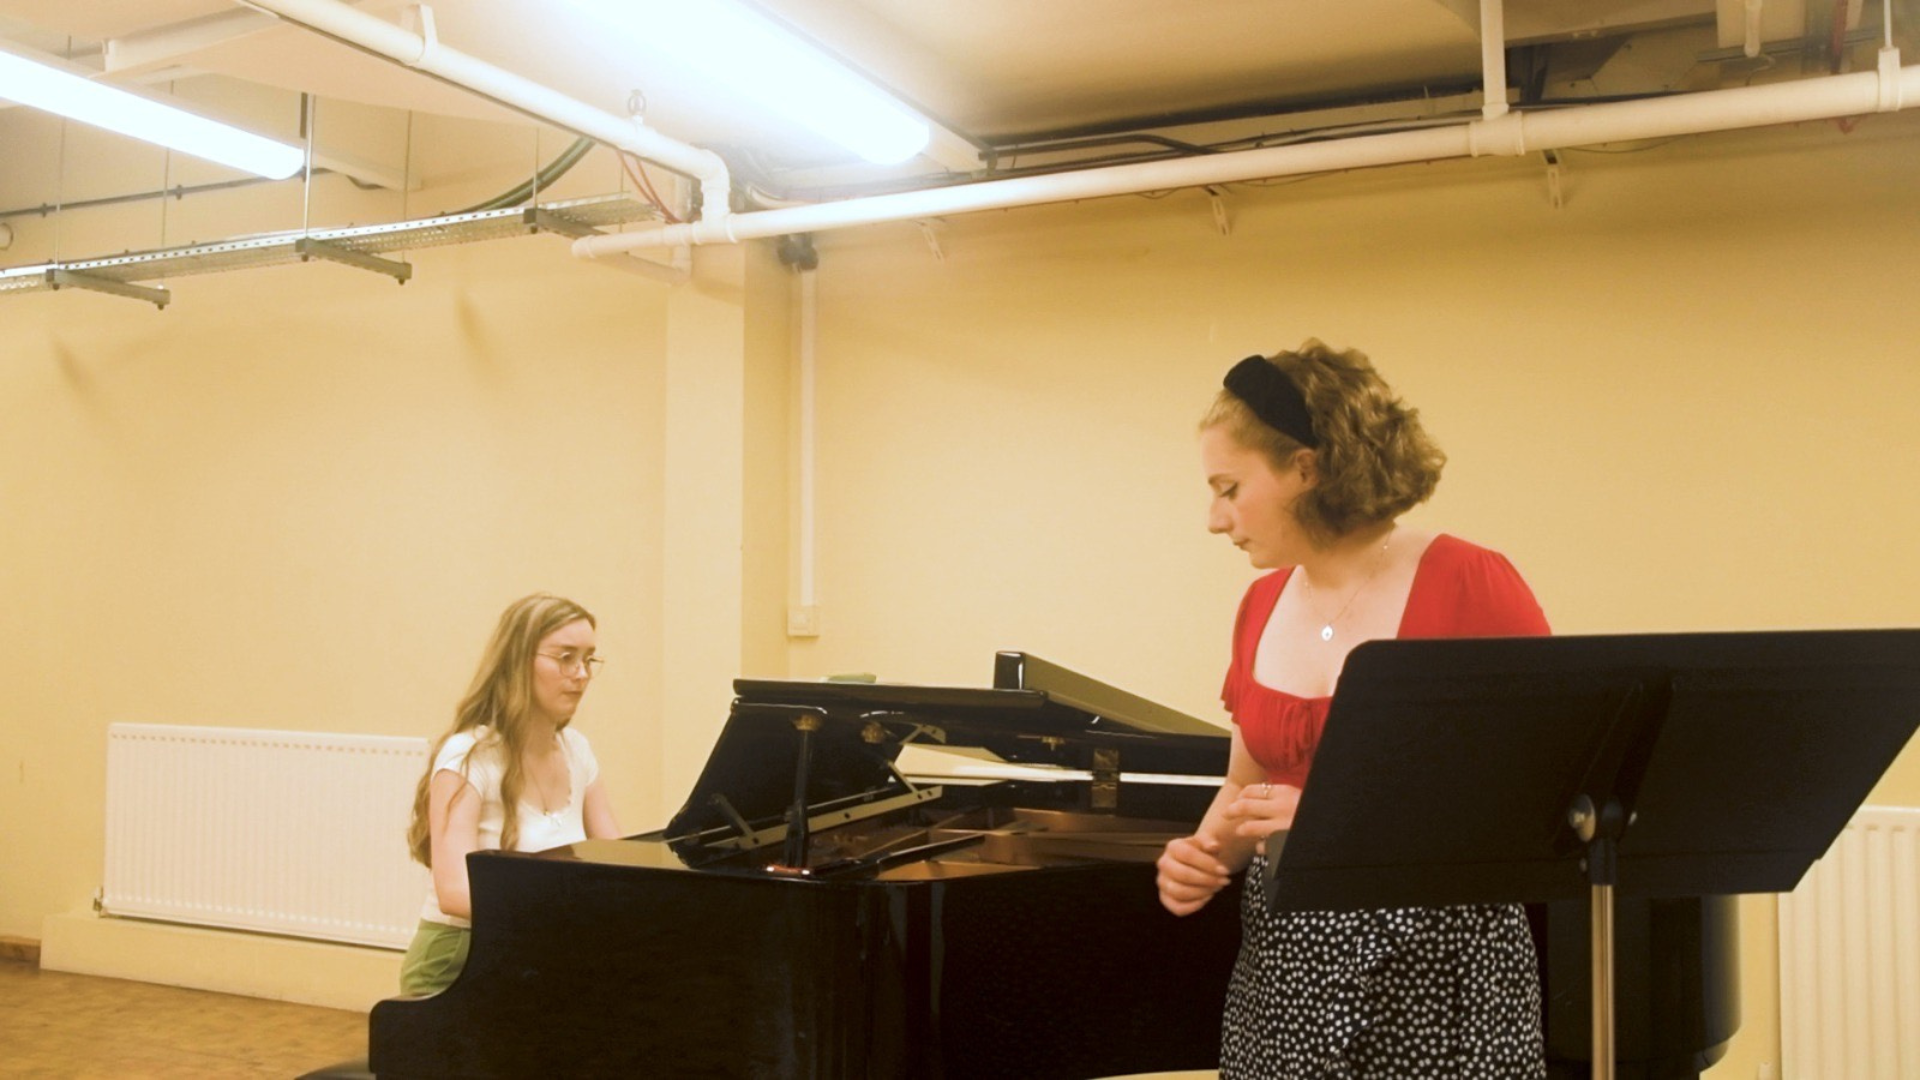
1326, 632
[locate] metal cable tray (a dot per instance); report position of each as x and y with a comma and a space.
361, 246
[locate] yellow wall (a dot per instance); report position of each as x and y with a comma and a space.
297, 499
1682, 401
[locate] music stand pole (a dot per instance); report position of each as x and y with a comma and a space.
1601, 832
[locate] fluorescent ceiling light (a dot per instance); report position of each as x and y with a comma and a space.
741, 50
42, 86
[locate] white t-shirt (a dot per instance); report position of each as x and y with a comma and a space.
539, 830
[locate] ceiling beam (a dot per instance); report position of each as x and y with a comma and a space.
165, 46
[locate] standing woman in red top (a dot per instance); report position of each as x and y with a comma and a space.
1312, 459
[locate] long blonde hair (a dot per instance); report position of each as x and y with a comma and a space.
500, 700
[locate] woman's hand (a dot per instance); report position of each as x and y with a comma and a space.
1190, 873
1262, 810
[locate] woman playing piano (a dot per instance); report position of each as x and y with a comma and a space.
509, 775
1312, 459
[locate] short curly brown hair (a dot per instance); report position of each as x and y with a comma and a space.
1374, 462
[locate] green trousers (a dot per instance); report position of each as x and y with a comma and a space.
437, 954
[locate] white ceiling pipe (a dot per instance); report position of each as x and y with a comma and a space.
423, 51
1891, 88
1035, 190
1886, 90
1493, 58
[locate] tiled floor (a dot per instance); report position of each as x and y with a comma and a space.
56, 1025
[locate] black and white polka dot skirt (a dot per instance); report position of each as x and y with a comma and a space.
1418, 993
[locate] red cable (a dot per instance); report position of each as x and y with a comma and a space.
645, 186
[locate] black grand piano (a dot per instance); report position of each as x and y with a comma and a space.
822, 907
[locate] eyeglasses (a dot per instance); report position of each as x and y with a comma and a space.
571, 661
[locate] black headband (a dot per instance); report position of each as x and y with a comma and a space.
1273, 398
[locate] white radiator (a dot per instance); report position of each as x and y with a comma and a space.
1850, 955
281, 832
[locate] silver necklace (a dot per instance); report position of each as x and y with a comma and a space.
1326, 628
546, 799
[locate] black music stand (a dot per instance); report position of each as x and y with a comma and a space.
1532, 769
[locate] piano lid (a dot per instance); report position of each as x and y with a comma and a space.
1037, 713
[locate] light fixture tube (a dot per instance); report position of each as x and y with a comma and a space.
42, 86
744, 51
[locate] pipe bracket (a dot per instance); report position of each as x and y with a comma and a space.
933, 240
1220, 219
1890, 94
429, 36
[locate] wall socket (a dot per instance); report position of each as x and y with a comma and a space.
803, 620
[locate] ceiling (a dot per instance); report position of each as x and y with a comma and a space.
1021, 84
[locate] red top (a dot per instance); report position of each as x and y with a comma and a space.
1459, 590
